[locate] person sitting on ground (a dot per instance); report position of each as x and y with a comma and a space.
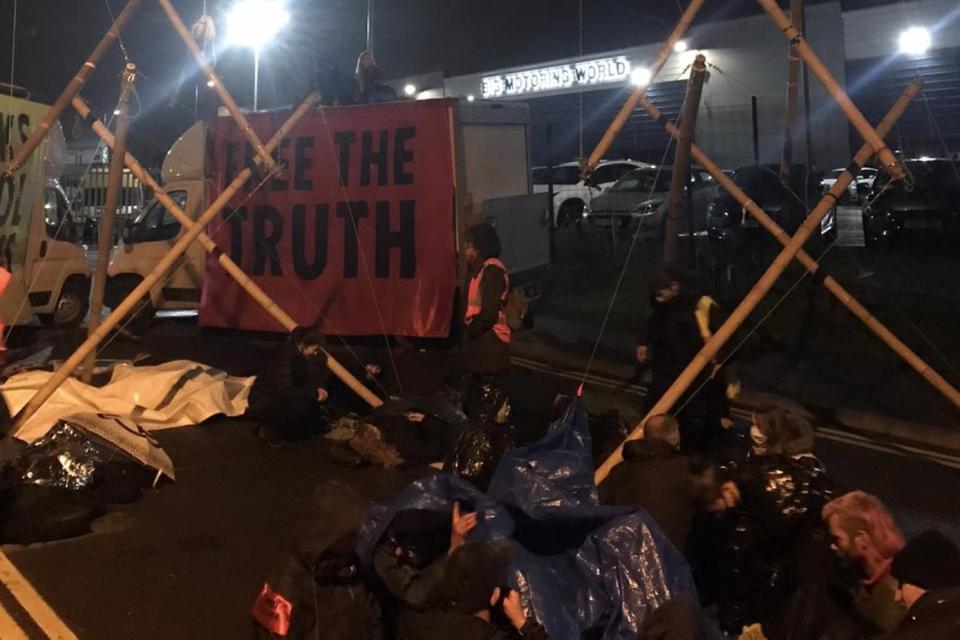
775, 534
484, 441
865, 539
474, 589
656, 477
410, 561
928, 574
287, 401
320, 588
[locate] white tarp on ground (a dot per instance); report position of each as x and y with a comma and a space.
173, 394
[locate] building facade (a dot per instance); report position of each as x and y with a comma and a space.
572, 101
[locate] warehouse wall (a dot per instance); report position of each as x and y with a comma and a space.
746, 57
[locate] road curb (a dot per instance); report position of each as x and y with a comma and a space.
906, 435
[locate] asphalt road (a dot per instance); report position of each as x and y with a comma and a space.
186, 561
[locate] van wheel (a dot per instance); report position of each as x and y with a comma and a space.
142, 315
71, 308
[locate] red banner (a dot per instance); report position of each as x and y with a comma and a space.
356, 237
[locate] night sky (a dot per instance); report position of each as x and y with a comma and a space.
411, 36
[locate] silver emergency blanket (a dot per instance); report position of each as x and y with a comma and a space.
73, 452
174, 394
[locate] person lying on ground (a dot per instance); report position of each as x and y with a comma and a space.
927, 571
656, 477
410, 559
287, 400
474, 596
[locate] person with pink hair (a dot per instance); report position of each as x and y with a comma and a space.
866, 539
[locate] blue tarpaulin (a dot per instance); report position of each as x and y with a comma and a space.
580, 567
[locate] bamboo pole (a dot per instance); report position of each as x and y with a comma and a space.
142, 289
739, 315
223, 259
73, 88
114, 189
218, 86
806, 52
793, 93
658, 61
929, 374
681, 161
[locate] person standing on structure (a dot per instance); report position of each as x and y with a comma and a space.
485, 353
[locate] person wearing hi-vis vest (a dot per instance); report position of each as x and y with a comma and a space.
486, 338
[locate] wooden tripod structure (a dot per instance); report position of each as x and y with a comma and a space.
194, 230
793, 247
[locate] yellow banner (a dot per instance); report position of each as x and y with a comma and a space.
19, 194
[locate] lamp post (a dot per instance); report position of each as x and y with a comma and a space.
370, 26
254, 23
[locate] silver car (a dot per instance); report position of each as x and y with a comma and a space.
639, 199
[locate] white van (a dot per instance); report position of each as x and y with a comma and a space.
40, 232
148, 236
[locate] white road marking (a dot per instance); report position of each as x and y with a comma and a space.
34, 604
9, 629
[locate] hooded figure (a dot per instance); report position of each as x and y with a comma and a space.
777, 542
484, 441
320, 589
680, 324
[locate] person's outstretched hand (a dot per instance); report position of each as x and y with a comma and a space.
513, 607
461, 526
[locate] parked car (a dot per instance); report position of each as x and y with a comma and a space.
571, 193
930, 205
787, 203
858, 187
640, 198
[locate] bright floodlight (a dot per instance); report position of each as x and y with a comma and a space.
470, 98
410, 90
640, 77
915, 41
253, 23
681, 46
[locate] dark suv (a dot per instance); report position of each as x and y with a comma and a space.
788, 203
930, 205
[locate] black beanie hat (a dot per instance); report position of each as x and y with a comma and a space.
929, 561
473, 571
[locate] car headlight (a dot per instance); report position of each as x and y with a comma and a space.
647, 208
714, 211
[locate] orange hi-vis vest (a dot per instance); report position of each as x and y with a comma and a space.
501, 328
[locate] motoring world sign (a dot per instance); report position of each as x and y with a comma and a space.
566, 76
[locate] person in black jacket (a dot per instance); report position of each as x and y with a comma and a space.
928, 572
319, 590
680, 324
475, 595
656, 477
410, 561
287, 401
